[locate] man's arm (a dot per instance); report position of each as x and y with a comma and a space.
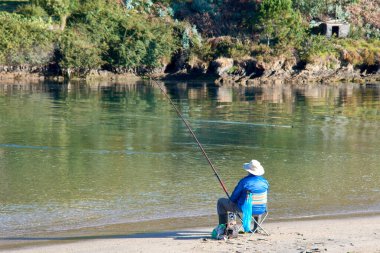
236, 193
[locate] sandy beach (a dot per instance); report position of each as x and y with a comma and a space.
353, 234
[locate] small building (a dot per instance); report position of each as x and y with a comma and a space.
336, 28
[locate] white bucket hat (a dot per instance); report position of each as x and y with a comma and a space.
254, 167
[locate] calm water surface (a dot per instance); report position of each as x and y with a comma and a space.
75, 156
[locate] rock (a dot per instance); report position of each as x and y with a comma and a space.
197, 66
243, 81
179, 62
278, 68
221, 65
218, 81
289, 64
247, 66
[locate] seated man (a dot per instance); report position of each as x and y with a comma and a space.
254, 183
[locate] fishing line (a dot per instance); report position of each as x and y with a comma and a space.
195, 138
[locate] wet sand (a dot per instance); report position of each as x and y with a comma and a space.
347, 234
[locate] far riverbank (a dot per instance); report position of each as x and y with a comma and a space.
169, 40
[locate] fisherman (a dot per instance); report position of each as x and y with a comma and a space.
254, 182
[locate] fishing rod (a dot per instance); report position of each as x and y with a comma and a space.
195, 138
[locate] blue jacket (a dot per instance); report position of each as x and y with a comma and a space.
254, 184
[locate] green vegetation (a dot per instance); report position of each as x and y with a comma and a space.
24, 41
142, 36
87, 35
360, 51
59, 9
110, 36
320, 8
280, 23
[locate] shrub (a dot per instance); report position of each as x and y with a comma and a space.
316, 46
24, 41
321, 8
143, 42
118, 38
279, 23
310, 8
358, 52
58, 9
30, 10
78, 51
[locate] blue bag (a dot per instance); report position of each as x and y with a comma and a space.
247, 212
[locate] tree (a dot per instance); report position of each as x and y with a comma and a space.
78, 51
320, 8
310, 8
61, 9
279, 22
24, 41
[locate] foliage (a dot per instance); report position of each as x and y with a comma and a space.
190, 43
112, 36
142, 5
190, 36
368, 32
131, 35
143, 43
316, 46
24, 41
204, 52
30, 10
59, 9
364, 17
78, 51
339, 12
156, 8
231, 47
310, 8
320, 8
56, 7
280, 23
371, 31
358, 52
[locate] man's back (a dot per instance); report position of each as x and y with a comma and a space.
253, 184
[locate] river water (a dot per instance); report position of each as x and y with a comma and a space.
74, 156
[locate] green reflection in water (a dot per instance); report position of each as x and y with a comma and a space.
75, 156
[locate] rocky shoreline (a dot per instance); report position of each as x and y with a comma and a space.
290, 71
222, 71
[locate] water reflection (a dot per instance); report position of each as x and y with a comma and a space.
277, 93
75, 155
